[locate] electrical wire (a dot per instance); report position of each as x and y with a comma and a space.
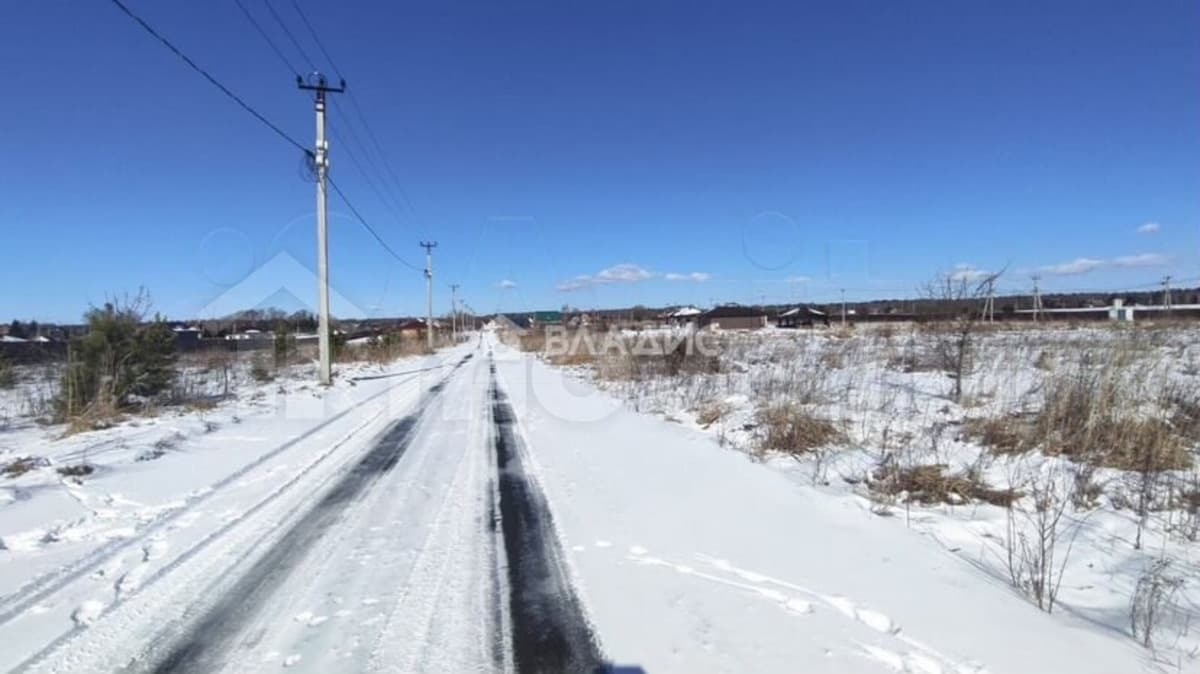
267, 38
312, 31
362, 118
362, 221
212, 80
390, 173
334, 131
287, 31
287, 63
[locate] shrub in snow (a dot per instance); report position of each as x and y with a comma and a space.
1155, 600
260, 372
8, 376
1039, 537
285, 344
119, 360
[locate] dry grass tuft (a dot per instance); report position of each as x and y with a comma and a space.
790, 428
102, 412
578, 359
1090, 416
21, 465
533, 340
389, 347
931, 484
711, 412
1006, 435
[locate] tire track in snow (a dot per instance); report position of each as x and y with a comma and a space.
443, 619
208, 639
39, 589
549, 629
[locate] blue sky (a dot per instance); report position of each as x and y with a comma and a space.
605, 154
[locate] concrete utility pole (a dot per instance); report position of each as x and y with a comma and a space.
989, 304
320, 87
1037, 299
843, 307
429, 246
453, 313
1166, 284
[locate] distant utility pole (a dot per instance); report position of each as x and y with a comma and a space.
1037, 299
320, 87
453, 312
1166, 284
429, 246
843, 307
989, 304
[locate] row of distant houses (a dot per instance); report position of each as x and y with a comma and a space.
191, 337
724, 317
745, 317
739, 317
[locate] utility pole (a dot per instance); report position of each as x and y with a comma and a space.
1166, 284
319, 86
1037, 299
843, 307
429, 246
453, 313
989, 304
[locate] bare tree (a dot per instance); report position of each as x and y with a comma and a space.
959, 296
1036, 554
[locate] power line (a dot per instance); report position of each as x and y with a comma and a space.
362, 118
212, 80
354, 160
312, 31
385, 195
369, 228
346, 143
267, 38
393, 206
295, 43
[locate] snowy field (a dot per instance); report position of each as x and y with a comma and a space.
482, 509
867, 421
87, 518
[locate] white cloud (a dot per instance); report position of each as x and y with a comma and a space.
1080, 265
1148, 228
1142, 260
1084, 265
969, 273
577, 283
507, 284
696, 276
621, 273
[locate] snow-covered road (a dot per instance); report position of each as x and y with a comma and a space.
496, 514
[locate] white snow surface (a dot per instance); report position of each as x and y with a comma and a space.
693, 558
688, 556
